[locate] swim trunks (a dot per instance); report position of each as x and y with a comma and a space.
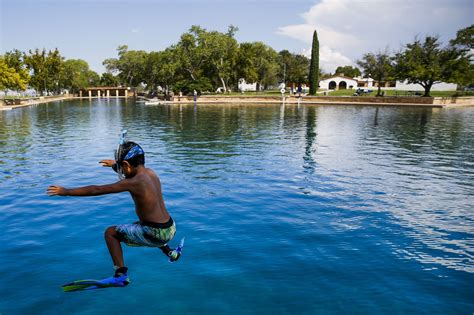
144, 233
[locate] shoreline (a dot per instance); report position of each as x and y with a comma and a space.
32, 102
430, 102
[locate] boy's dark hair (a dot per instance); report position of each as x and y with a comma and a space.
138, 158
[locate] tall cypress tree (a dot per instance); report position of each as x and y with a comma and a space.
314, 67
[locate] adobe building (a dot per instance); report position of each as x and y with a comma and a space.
338, 82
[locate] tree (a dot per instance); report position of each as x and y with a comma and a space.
257, 62
245, 68
161, 69
53, 64
464, 38
187, 86
378, 66
294, 68
204, 60
112, 66
324, 75
426, 63
76, 75
14, 60
223, 48
314, 66
93, 78
129, 67
210, 59
464, 42
265, 62
108, 79
192, 52
211, 54
9, 78
285, 59
35, 61
299, 71
46, 69
348, 71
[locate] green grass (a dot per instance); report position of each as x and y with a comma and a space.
402, 93
351, 92
251, 93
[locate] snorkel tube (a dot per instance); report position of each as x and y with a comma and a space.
118, 154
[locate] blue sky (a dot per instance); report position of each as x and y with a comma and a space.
92, 30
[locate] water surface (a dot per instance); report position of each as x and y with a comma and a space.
286, 210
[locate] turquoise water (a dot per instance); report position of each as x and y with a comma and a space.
285, 210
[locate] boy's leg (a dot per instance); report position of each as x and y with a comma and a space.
171, 253
113, 244
166, 249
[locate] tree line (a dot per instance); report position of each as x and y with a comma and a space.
425, 62
205, 60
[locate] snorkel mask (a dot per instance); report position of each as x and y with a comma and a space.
119, 153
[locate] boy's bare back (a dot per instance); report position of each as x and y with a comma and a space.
145, 188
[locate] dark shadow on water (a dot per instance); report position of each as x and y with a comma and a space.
309, 161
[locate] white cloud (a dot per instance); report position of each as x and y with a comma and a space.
326, 35
329, 59
349, 28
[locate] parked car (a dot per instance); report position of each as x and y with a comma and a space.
360, 92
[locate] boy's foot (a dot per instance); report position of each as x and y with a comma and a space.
174, 255
121, 277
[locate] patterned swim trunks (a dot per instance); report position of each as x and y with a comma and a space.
146, 233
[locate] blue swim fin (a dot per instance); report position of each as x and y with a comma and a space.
81, 285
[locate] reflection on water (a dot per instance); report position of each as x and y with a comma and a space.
332, 194
414, 164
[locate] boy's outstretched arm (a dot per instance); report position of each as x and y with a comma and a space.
93, 190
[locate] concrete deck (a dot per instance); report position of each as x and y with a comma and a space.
31, 102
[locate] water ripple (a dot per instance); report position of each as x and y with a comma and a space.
343, 207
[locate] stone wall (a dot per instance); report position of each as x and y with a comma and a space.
315, 99
462, 100
393, 100
371, 99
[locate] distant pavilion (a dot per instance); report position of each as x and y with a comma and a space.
106, 92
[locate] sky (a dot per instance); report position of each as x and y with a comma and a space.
347, 29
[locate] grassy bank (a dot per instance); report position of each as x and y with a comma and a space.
351, 92
403, 93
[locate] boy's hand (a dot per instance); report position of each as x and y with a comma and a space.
107, 163
56, 191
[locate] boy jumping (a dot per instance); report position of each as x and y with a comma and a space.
155, 228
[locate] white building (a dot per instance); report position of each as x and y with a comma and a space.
244, 86
364, 82
404, 86
338, 82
